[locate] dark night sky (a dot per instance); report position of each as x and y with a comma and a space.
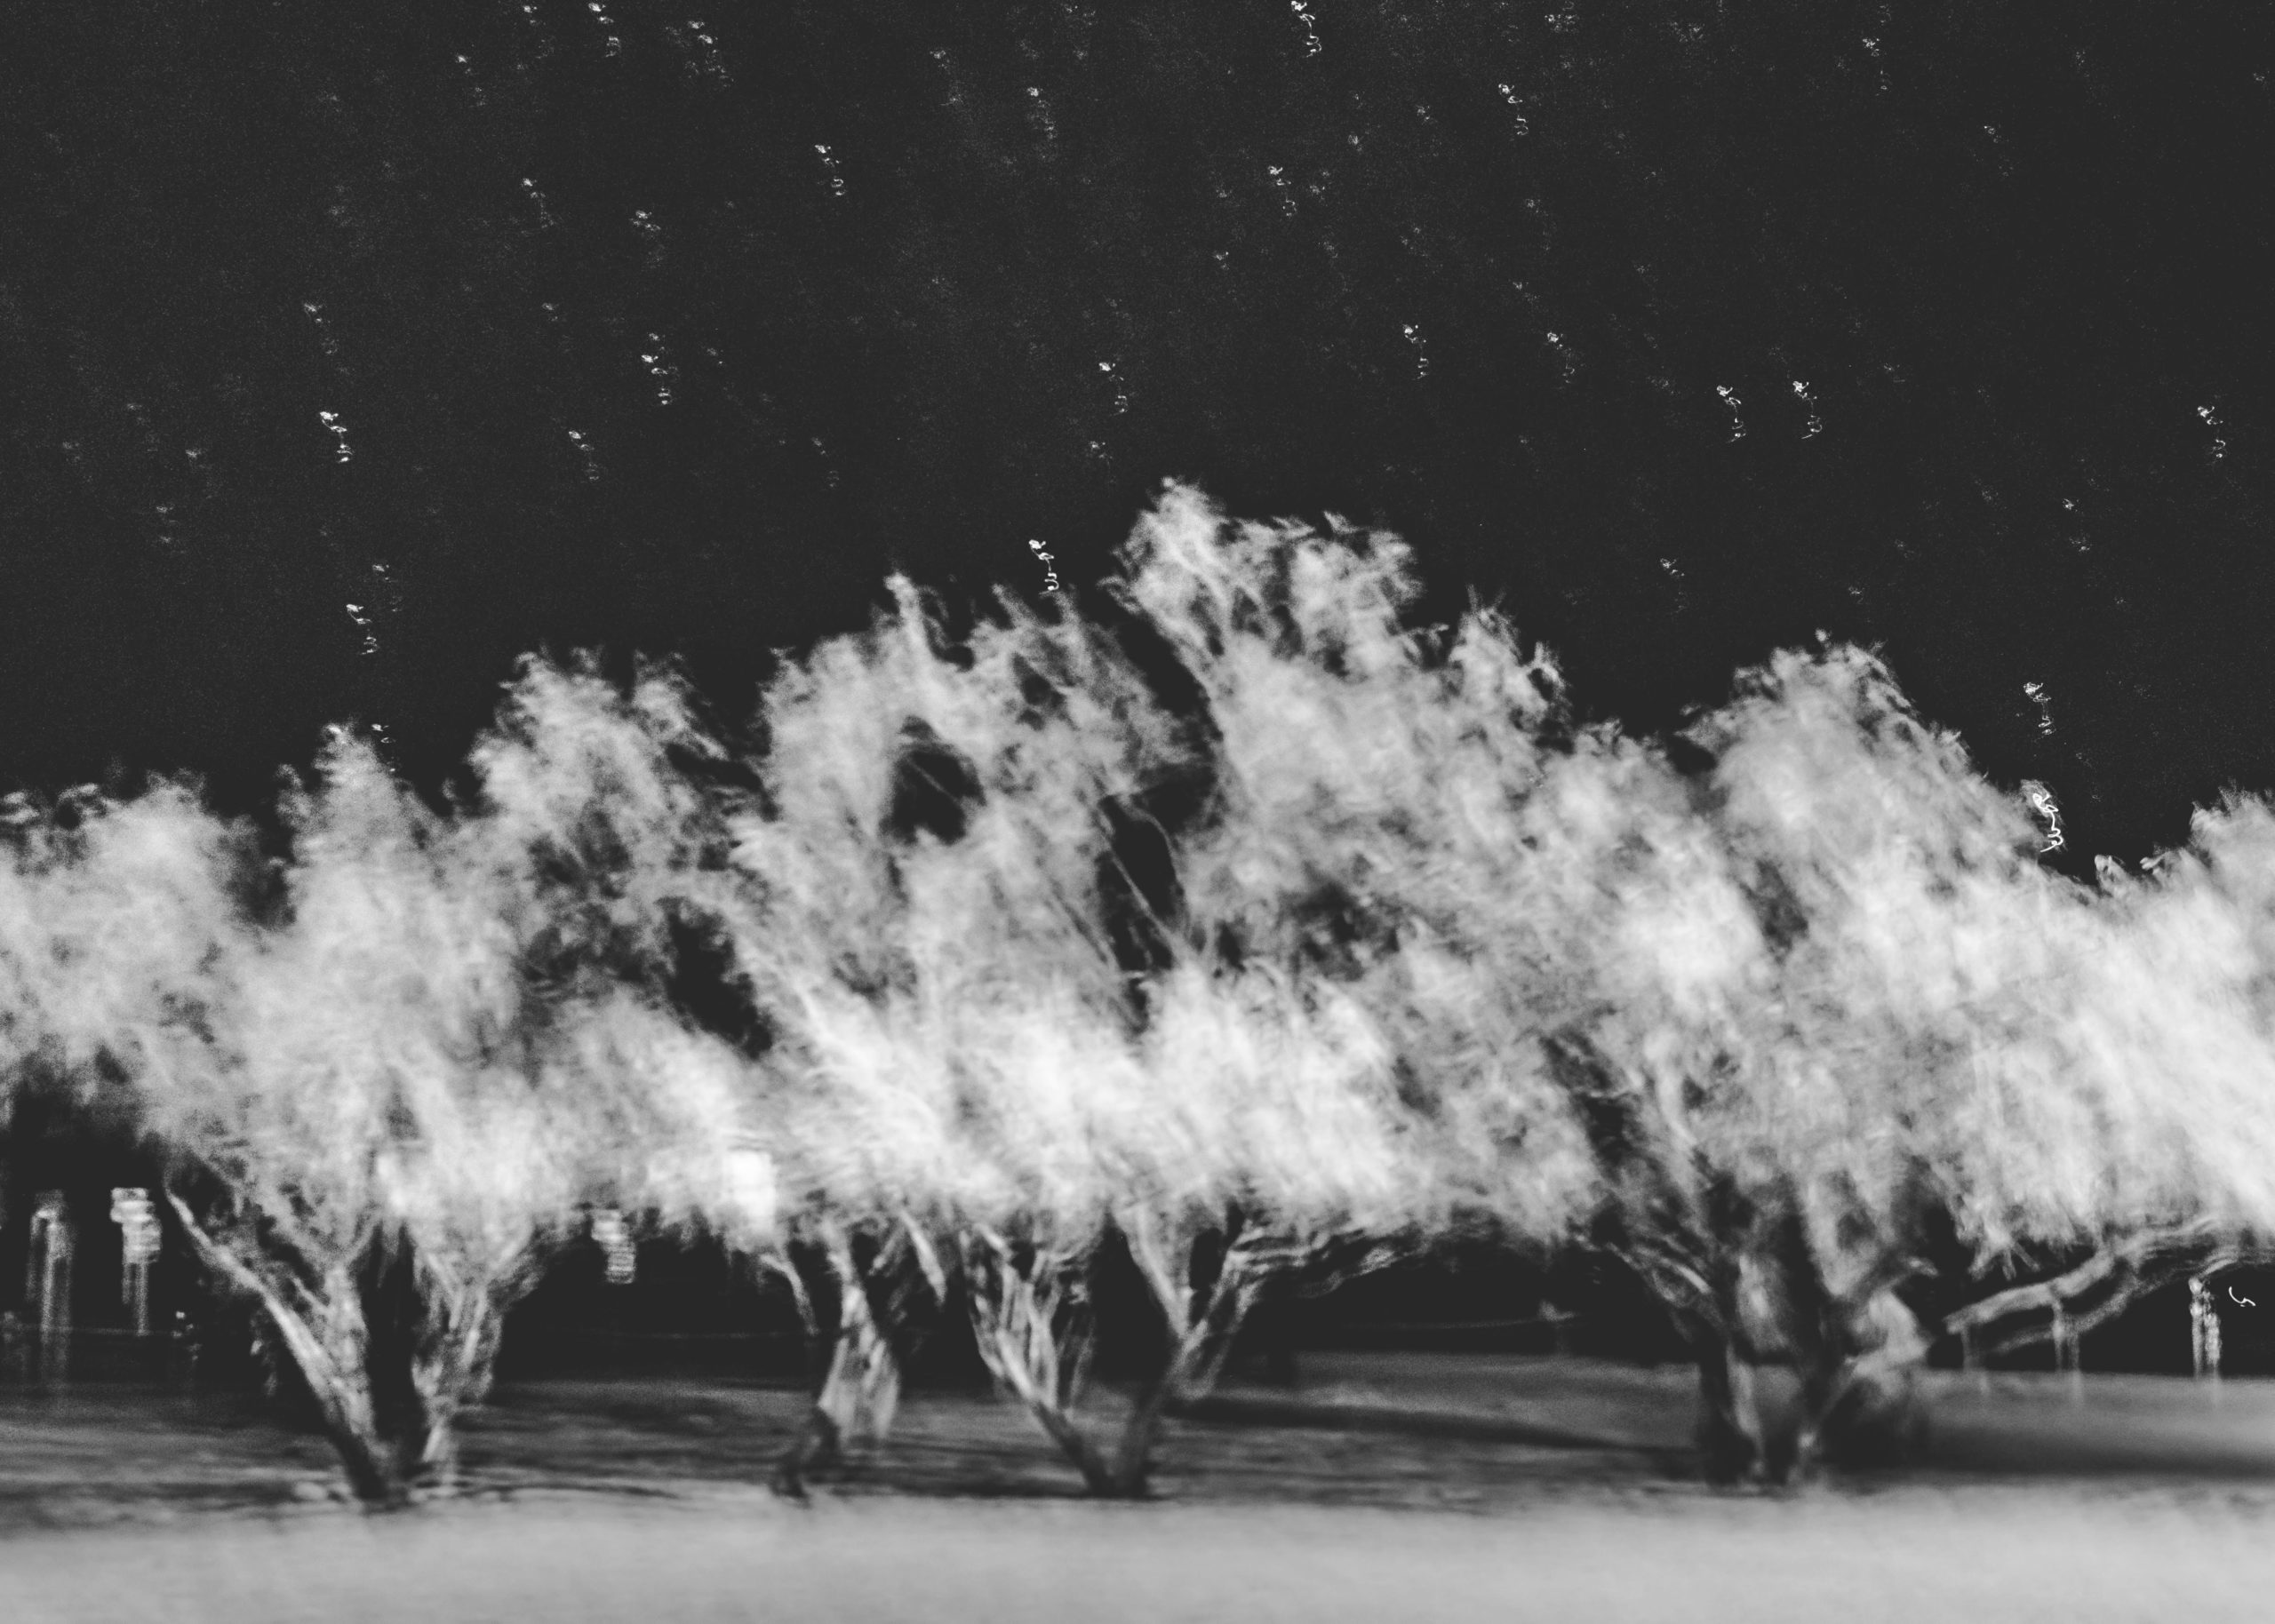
674, 328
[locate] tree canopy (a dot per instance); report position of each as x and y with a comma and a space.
974, 952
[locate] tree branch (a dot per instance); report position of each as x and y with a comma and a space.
2138, 1265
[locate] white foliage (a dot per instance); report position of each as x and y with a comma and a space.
1416, 794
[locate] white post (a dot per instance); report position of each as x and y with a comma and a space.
2204, 1328
2195, 1310
137, 1221
49, 1269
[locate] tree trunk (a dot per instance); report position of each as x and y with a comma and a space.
1195, 1359
1744, 1276
815, 1445
1202, 1321
857, 1397
1860, 1403
482, 1372
1730, 1442
324, 1329
1028, 1319
451, 1357
859, 1393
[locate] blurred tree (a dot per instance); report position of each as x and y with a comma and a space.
399, 1042
934, 887
1762, 1015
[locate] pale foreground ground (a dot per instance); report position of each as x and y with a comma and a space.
1386, 1488
2004, 1555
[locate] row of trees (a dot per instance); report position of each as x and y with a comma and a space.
974, 951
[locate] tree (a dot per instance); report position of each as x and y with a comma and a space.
365, 1083
154, 969
925, 823
580, 857
1924, 1020
1787, 999
1021, 1117
420, 1039
933, 886
1584, 960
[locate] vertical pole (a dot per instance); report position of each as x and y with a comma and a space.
2204, 1328
1970, 1359
59, 1316
138, 1226
2074, 1353
28, 1332
51, 1266
43, 1293
2196, 1312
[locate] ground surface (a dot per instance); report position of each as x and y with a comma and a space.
1381, 1487
2004, 1554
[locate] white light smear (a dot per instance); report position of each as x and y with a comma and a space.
1817, 424
585, 451
1567, 362
613, 44
1037, 548
2044, 702
1414, 337
2212, 421
314, 313
660, 368
1730, 399
1311, 25
699, 49
829, 166
361, 617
